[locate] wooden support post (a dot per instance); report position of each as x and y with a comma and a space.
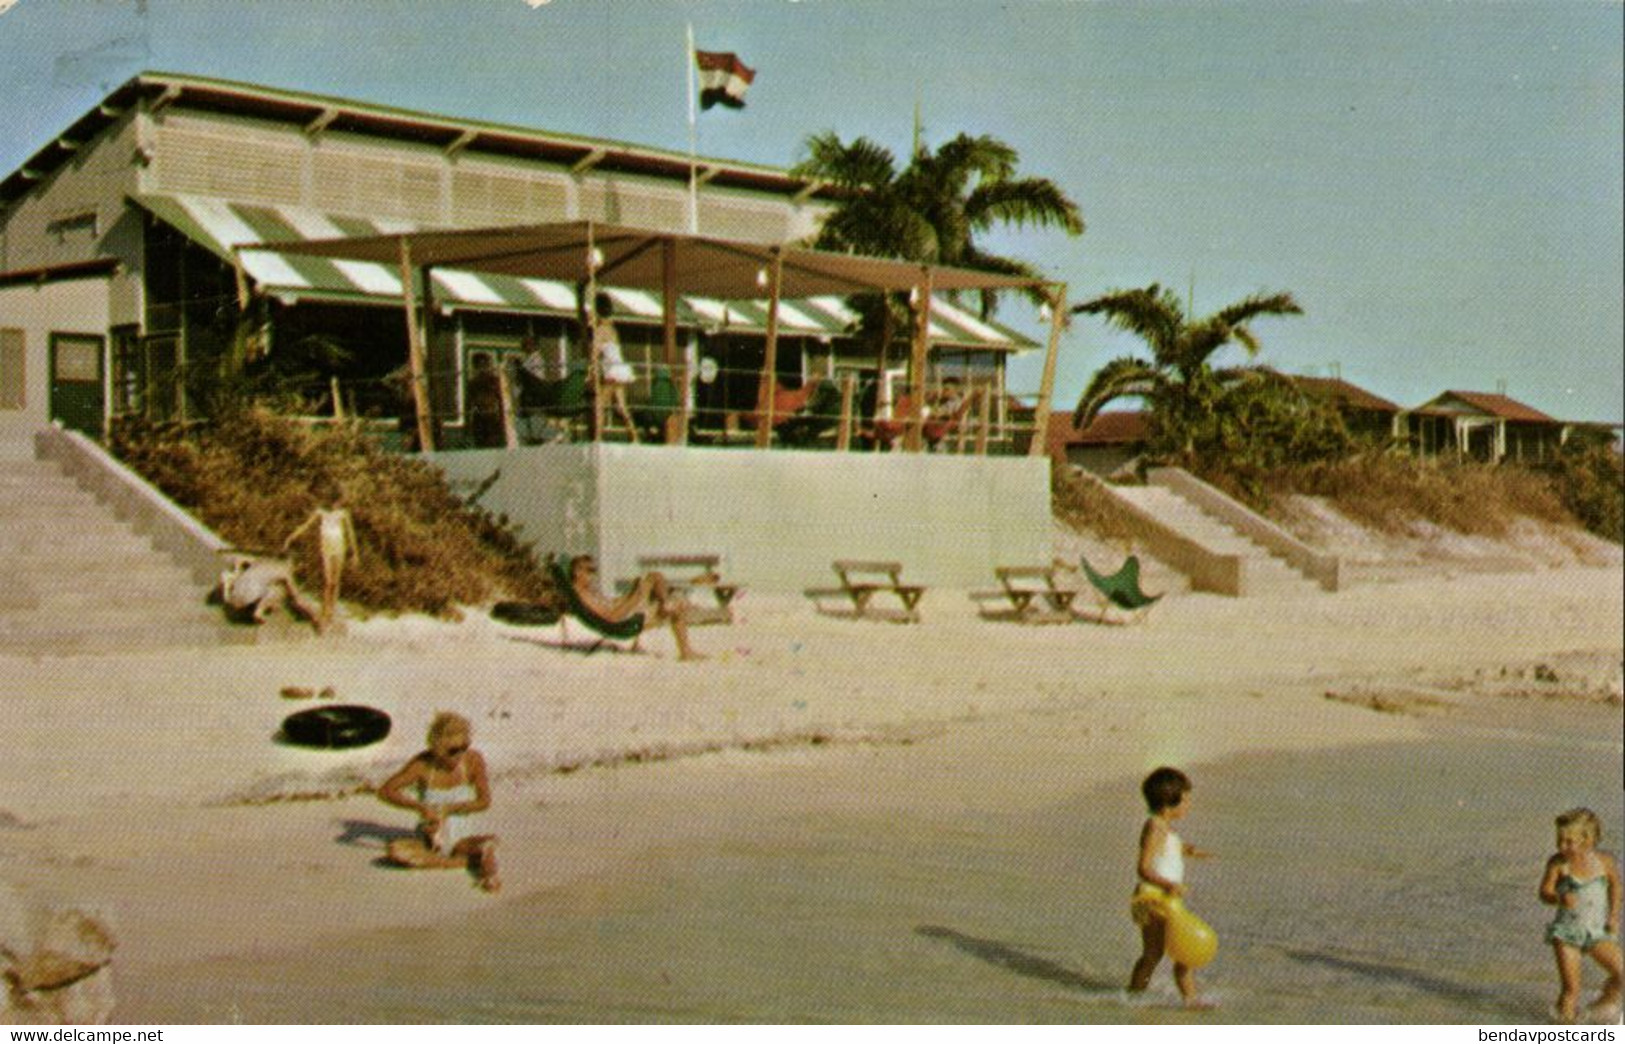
883, 397
242, 279
595, 365
843, 434
984, 418
914, 434
1046, 384
338, 403
415, 352
770, 359
510, 430
676, 365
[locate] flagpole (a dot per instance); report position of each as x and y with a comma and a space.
693, 144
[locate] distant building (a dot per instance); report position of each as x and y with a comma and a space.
1115, 439
1364, 413
1491, 427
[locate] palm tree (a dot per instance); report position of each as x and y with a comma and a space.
1184, 392
933, 209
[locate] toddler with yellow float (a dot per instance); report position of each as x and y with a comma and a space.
1167, 926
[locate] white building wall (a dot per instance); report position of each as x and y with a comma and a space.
76, 306
250, 160
38, 231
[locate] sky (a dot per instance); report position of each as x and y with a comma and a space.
1438, 184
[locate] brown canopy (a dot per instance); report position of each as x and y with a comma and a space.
672, 263
632, 258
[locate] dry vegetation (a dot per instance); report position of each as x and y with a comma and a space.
254, 476
1387, 492
1077, 500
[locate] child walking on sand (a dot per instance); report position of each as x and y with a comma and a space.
1584, 885
1161, 869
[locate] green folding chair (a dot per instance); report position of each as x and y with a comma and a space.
627, 630
1121, 589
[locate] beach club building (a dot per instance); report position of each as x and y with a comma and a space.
181, 236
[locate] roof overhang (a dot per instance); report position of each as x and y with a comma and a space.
578, 251
268, 243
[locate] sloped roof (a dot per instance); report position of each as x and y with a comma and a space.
381, 121
1494, 405
1110, 428
1343, 393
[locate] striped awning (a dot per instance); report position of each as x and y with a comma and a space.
221, 226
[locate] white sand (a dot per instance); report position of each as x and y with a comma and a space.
150, 783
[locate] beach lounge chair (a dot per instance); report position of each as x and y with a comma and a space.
627, 630
1121, 589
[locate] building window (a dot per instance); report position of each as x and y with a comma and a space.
74, 228
76, 358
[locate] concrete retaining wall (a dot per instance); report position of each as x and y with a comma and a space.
778, 518
132, 498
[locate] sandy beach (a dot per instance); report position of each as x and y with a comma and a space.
151, 785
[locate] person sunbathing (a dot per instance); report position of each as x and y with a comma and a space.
650, 595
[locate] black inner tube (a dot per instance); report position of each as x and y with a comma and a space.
335, 727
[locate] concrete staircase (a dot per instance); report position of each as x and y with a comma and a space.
1266, 573
74, 579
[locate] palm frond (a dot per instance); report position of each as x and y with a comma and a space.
1153, 314
1038, 202
1122, 377
1252, 307
984, 156
860, 164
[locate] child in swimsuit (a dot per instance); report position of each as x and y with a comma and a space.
443, 785
1584, 885
335, 535
1161, 870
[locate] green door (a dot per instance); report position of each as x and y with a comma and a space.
76, 382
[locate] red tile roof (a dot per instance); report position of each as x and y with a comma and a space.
1114, 427
1345, 394
1494, 405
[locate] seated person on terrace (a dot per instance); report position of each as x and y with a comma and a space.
649, 595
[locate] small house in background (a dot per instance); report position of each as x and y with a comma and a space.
1487, 427
1366, 415
1109, 443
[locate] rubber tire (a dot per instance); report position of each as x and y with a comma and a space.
336, 727
525, 614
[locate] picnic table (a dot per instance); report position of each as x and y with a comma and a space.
692, 574
862, 580
1033, 594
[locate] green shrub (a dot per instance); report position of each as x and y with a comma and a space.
254, 476
1589, 478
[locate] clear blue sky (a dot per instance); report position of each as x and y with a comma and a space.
1438, 183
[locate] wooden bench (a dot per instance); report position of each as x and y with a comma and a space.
862, 580
1032, 595
689, 575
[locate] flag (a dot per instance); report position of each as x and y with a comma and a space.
723, 78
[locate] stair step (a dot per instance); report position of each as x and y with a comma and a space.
78, 579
